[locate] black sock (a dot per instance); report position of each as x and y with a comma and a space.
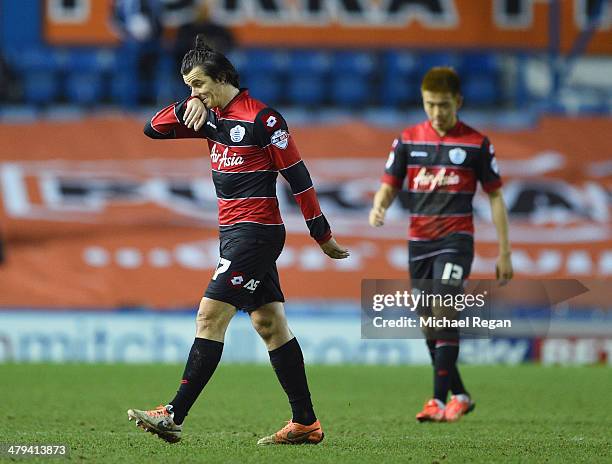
201, 364
431, 346
288, 363
455, 383
446, 357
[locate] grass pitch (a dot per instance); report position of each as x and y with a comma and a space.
523, 414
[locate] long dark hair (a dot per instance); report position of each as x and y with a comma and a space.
213, 63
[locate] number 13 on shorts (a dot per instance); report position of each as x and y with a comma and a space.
223, 266
452, 274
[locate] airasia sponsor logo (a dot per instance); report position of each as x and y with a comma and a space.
432, 180
226, 158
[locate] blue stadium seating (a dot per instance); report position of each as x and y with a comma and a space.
40, 87
124, 88
36, 59
400, 81
264, 87
481, 77
353, 62
398, 90
307, 90
307, 74
350, 90
84, 88
479, 63
312, 62
351, 78
480, 89
400, 62
97, 60
348, 78
429, 60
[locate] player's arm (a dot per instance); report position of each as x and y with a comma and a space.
184, 119
382, 200
503, 268
391, 184
273, 136
488, 174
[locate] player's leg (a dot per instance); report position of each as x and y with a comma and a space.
421, 274
212, 320
288, 362
450, 272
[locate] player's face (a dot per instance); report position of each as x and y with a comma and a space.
441, 109
203, 87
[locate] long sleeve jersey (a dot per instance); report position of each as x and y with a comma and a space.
249, 145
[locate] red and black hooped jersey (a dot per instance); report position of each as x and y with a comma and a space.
441, 175
249, 145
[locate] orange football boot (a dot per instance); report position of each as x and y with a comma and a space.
457, 407
158, 421
295, 434
433, 411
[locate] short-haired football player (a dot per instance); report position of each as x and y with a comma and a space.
250, 144
440, 161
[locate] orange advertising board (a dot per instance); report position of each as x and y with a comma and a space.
368, 23
95, 215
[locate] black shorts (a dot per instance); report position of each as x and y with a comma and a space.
441, 266
246, 276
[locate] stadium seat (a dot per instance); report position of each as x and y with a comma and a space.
98, 60
124, 89
84, 88
36, 59
40, 87
263, 86
400, 90
309, 62
400, 63
351, 90
351, 78
481, 76
481, 89
480, 63
400, 78
307, 90
352, 62
266, 61
429, 60
307, 74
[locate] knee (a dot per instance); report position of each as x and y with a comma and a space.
266, 327
207, 319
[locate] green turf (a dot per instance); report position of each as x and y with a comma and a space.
523, 414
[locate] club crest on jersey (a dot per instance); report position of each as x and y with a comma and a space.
237, 133
280, 139
457, 155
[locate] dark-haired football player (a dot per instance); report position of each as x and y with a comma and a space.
250, 144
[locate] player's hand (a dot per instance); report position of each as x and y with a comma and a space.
333, 250
503, 269
195, 114
377, 216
